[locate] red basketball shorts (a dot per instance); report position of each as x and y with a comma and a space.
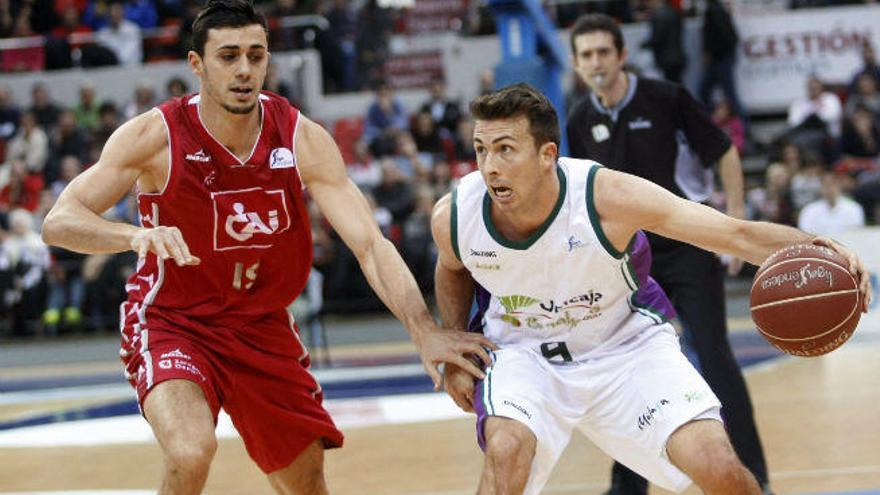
257, 371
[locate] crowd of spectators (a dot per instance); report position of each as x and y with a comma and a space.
824, 174
403, 158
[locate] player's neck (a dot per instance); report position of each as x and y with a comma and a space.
237, 132
521, 223
615, 93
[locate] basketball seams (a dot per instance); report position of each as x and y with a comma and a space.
813, 337
803, 298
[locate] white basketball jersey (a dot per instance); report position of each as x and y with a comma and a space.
565, 292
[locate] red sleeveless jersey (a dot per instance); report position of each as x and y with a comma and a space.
246, 220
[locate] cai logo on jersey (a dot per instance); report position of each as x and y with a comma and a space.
248, 219
281, 158
533, 313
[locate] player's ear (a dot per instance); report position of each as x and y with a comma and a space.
195, 63
548, 152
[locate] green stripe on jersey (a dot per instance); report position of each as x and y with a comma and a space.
454, 221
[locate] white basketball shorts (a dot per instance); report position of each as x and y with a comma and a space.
627, 403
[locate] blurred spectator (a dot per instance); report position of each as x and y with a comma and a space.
10, 114
121, 36
442, 110
97, 14
275, 84
385, 117
376, 27
464, 141
665, 41
66, 140
337, 46
6, 19
141, 12
426, 135
817, 107
861, 136
411, 162
869, 65
21, 189
364, 171
25, 58
66, 292
175, 88
86, 109
109, 121
69, 169
772, 202
417, 245
832, 213
394, 193
441, 179
44, 109
486, 81
60, 50
806, 182
728, 121
144, 100
30, 145
720, 40
29, 259
866, 94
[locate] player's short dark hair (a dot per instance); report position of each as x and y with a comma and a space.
520, 100
591, 23
218, 14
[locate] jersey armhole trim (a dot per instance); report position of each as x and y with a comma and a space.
594, 216
453, 220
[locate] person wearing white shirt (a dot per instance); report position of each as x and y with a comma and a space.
823, 104
833, 213
122, 36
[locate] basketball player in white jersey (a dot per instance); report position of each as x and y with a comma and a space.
552, 249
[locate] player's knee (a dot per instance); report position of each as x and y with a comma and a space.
511, 446
191, 457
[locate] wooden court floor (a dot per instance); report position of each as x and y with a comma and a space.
819, 419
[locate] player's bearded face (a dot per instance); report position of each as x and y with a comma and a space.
234, 67
597, 61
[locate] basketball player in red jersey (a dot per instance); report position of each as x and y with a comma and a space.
224, 247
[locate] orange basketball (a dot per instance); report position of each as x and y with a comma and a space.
804, 300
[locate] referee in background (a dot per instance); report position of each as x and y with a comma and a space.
657, 130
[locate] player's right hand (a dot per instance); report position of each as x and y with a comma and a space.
459, 384
165, 242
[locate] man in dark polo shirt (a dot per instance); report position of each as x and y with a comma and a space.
657, 130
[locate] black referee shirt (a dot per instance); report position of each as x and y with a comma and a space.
657, 131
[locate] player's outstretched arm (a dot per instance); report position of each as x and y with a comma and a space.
137, 150
323, 172
627, 203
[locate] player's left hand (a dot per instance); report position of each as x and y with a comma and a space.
856, 267
452, 346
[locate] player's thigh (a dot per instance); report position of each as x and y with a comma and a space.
305, 475
701, 448
181, 419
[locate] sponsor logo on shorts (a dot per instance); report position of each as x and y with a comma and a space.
695, 395
517, 407
175, 354
647, 418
